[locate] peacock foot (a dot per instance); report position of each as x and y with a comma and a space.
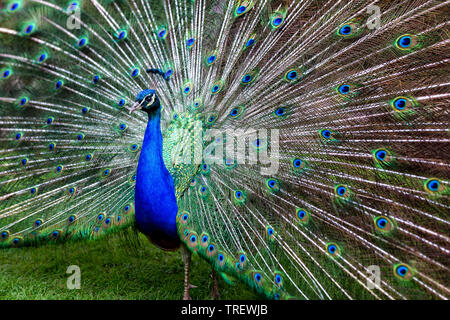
215, 294
215, 286
186, 295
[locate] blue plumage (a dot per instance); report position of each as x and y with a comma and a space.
155, 202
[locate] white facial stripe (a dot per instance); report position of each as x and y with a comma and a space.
151, 101
138, 105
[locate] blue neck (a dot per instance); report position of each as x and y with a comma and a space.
155, 201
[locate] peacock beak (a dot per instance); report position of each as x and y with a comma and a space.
136, 106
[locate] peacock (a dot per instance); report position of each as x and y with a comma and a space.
299, 147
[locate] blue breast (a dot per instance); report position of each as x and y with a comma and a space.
155, 201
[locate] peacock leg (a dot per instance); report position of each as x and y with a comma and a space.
186, 256
215, 286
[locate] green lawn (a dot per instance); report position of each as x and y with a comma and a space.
111, 268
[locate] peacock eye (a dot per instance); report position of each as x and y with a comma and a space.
345, 30
278, 278
13, 6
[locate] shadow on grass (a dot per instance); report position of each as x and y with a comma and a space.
111, 268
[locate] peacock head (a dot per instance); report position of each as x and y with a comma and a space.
146, 100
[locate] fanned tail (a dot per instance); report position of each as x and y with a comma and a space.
70, 148
349, 198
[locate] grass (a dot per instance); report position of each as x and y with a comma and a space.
111, 268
